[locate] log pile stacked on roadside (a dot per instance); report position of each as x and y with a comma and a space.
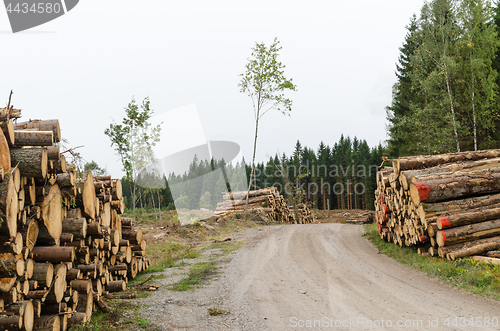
63, 243
446, 205
268, 202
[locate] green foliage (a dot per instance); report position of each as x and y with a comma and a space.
265, 83
264, 80
217, 312
94, 168
446, 96
132, 134
199, 272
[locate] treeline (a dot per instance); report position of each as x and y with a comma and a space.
341, 176
446, 95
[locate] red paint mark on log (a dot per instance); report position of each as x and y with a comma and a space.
384, 206
445, 221
444, 236
423, 191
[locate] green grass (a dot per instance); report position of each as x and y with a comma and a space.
217, 312
165, 254
116, 319
465, 273
199, 272
227, 247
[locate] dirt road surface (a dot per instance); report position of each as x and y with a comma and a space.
325, 277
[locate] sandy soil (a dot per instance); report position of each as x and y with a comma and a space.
317, 277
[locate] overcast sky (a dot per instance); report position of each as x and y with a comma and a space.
84, 67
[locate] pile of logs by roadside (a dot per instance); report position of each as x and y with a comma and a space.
63, 243
268, 202
446, 205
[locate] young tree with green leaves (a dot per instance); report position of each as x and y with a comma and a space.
264, 82
134, 139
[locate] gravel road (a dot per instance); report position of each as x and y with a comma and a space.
317, 277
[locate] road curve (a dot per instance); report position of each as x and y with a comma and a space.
329, 277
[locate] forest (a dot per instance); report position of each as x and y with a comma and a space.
341, 176
445, 98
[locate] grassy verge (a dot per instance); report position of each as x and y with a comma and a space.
124, 316
199, 272
466, 274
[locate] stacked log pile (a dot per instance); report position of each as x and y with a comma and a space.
268, 202
446, 205
63, 243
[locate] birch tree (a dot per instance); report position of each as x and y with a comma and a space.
265, 83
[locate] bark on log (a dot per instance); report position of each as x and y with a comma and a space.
116, 286
427, 161
47, 323
76, 226
443, 251
454, 188
81, 285
33, 138
13, 322
469, 217
77, 318
43, 273
468, 232
32, 162
54, 254
474, 250
42, 125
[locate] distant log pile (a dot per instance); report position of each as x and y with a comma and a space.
446, 205
63, 243
268, 202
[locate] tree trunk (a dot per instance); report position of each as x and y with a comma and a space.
32, 162
474, 250
33, 138
43, 273
54, 254
42, 125
468, 232
427, 161
47, 323
469, 217
76, 226
455, 187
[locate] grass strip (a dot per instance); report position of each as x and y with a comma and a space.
198, 273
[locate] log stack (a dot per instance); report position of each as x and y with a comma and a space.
63, 243
446, 205
268, 202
